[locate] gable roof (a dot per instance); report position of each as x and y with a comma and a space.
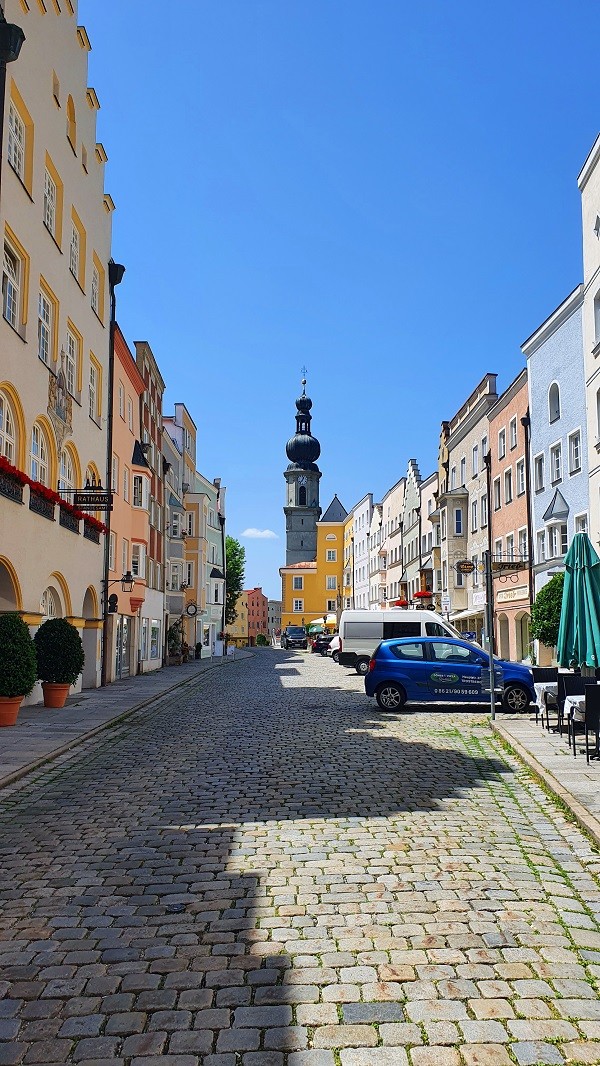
336, 512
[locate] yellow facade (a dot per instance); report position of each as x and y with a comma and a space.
312, 590
237, 632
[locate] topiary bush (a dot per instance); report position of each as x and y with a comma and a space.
60, 655
261, 640
545, 613
18, 668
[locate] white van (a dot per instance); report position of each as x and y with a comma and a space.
361, 631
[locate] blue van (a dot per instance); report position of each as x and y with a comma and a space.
443, 670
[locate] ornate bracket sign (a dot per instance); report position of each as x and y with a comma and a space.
465, 566
93, 501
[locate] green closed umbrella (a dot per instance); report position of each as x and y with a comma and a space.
579, 629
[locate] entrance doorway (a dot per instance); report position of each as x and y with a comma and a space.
123, 648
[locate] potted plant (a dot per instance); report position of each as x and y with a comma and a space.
18, 672
60, 659
174, 642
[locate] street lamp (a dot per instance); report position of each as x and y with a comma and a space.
115, 276
11, 39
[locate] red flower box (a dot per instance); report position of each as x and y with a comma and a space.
13, 471
423, 595
400, 603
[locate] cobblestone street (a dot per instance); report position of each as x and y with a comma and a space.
268, 871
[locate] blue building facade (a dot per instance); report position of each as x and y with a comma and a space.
559, 466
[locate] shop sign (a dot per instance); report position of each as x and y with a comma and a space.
507, 595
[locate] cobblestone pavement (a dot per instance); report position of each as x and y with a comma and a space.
267, 871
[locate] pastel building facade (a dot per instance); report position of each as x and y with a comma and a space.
391, 543
258, 614
362, 515
54, 340
589, 186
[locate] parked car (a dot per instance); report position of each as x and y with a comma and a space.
294, 637
442, 670
361, 631
320, 643
333, 648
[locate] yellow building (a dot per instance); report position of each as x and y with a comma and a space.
237, 631
312, 590
348, 570
54, 329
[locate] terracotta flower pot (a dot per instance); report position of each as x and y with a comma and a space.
55, 693
9, 709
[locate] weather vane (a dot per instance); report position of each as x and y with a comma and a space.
303, 382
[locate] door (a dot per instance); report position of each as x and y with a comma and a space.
122, 649
411, 668
455, 673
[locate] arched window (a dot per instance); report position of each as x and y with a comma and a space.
66, 481
554, 402
7, 430
302, 496
71, 124
48, 605
39, 455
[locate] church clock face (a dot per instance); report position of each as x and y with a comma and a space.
302, 480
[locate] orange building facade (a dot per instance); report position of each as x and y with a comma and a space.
258, 614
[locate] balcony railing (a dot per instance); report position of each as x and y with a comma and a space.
41, 506
10, 488
90, 533
68, 520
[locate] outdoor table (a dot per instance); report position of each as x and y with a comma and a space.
551, 687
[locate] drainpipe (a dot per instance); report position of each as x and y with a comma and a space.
526, 423
487, 459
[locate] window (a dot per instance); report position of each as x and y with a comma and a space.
130, 414
520, 477
111, 551
297, 584
444, 574
497, 494
498, 548
484, 447
443, 523
453, 478
331, 583
331, 605
541, 548
124, 556
48, 605
39, 455
510, 546
407, 651
331, 555
7, 431
71, 124
575, 452
190, 523
581, 523
138, 560
463, 471
126, 484
71, 361
11, 286
564, 539
538, 473
553, 402
189, 574
154, 638
298, 606
459, 579
523, 550
66, 481
74, 251
458, 523
115, 474
475, 561
556, 463
473, 516
138, 490
94, 390
45, 324
50, 203
452, 653
508, 486
484, 511
512, 433
16, 141
502, 444
475, 460
121, 400
95, 290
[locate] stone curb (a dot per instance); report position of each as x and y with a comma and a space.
10, 779
582, 816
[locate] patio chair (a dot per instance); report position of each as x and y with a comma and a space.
573, 685
541, 674
592, 719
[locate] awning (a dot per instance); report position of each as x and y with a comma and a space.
460, 615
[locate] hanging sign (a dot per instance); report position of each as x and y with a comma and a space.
93, 501
465, 566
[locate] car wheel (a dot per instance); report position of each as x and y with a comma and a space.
516, 698
335, 656
362, 667
390, 697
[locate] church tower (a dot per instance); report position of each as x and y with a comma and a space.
302, 511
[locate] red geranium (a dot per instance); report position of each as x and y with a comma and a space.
400, 603
423, 594
13, 471
94, 523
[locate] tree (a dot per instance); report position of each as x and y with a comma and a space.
234, 576
545, 613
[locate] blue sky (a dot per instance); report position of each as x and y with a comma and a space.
384, 191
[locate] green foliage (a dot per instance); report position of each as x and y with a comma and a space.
60, 654
234, 576
261, 640
175, 637
18, 667
545, 613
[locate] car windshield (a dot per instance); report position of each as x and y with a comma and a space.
295, 631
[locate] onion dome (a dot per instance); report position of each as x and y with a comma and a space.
303, 449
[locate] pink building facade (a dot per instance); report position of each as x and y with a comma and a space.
509, 522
